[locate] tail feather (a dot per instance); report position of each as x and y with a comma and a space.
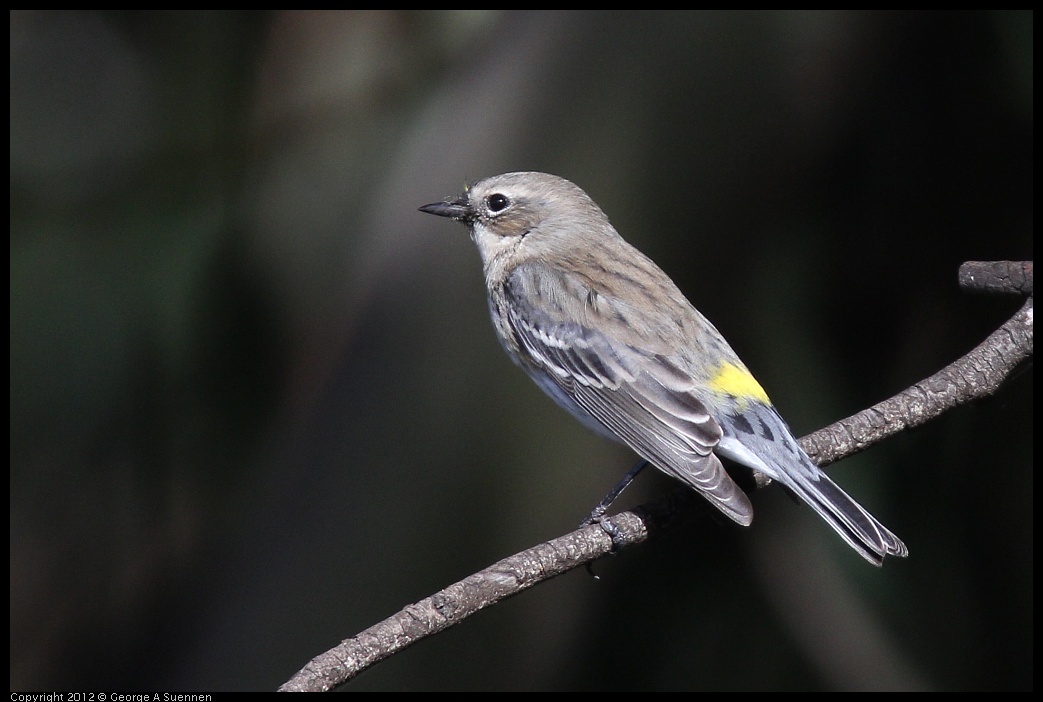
854, 524
759, 438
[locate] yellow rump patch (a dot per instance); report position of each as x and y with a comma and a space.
736, 381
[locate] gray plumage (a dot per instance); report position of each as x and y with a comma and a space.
610, 338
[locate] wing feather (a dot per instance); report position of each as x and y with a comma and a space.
641, 397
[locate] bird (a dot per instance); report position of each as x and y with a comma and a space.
610, 338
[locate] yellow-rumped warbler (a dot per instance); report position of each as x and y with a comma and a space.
608, 335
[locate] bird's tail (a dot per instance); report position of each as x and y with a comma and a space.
759, 438
855, 525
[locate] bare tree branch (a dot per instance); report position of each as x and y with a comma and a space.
1007, 277
976, 375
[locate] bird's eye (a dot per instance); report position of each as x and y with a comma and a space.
497, 202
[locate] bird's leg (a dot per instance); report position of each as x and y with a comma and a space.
597, 515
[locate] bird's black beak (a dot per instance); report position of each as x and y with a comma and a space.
458, 209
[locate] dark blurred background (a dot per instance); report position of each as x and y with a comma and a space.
257, 404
